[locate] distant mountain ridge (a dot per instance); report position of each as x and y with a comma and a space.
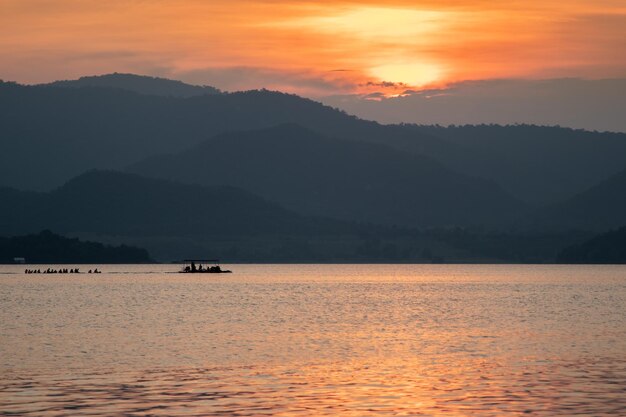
51, 134
177, 221
356, 181
117, 203
139, 84
539, 164
606, 248
600, 208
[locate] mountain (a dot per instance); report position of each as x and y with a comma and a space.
174, 220
51, 134
600, 208
47, 247
606, 248
355, 181
139, 84
107, 202
538, 164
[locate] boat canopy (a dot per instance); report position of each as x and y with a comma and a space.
204, 261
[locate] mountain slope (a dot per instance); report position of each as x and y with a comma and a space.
607, 248
309, 173
50, 134
600, 208
539, 164
177, 221
106, 202
139, 84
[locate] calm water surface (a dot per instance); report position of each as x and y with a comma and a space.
350, 340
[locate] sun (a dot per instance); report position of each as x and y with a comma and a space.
415, 74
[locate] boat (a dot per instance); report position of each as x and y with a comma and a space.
203, 266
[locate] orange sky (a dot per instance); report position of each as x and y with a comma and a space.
313, 48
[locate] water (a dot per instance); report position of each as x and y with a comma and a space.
353, 340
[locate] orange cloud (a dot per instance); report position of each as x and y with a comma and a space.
299, 45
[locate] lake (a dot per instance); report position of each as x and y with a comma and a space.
286, 340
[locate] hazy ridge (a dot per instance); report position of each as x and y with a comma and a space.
297, 166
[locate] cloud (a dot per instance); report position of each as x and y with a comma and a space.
576, 103
304, 82
313, 47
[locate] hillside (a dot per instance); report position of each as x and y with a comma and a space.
139, 84
600, 208
47, 247
109, 128
107, 202
315, 175
538, 164
607, 248
174, 220
106, 127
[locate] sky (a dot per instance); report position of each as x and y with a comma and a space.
316, 49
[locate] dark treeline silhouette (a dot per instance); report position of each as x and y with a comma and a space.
91, 127
606, 248
48, 247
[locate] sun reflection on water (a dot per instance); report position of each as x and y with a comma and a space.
316, 340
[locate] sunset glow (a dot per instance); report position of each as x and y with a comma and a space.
314, 48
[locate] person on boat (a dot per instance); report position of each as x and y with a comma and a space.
187, 269
193, 267
95, 271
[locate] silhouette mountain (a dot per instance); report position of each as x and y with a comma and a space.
174, 220
139, 84
51, 134
113, 203
312, 174
48, 247
600, 208
606, 248
538, 164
